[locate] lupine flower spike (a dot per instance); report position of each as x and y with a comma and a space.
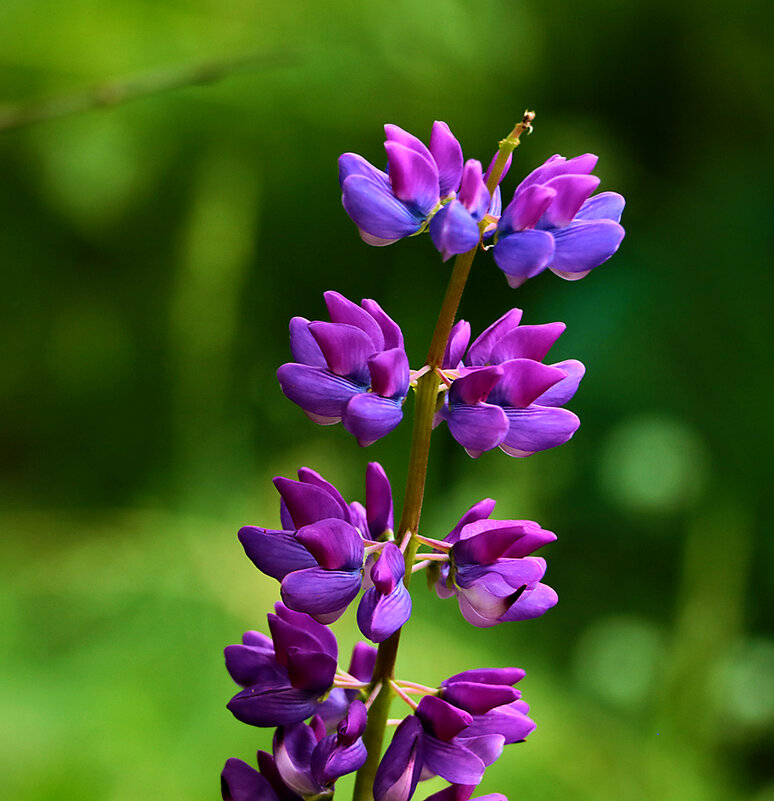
496, 392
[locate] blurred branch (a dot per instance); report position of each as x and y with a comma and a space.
115, 92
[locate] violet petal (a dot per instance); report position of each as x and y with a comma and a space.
478, 428
317, 591
537, 428
453, 230
315, 389
523, 254
564, 390
275, 553
376, 210
369, 417
389, 372
583, 245
414, 177
447, 154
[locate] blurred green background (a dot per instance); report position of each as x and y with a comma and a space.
152, 255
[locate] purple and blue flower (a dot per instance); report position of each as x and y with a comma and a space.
352, 370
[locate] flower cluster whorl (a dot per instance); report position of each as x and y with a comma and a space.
352, 370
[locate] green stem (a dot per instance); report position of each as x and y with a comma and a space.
116, 92
424, 411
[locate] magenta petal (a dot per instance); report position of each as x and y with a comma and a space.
303, 346
604, 206
475, 386
572, 191
509, 721
532, 603
320, 592
389, 568
286, 636
400, 767
509, 538
307, 503
379, 616
353, 164
248, 665
523, 254
447, 154
311, 671
481, 349
240, 782
346, 349
393, 337
473, 192
478, 428
478, 698
479, 511
335, 544
316, 389
527, 342
453, 761
559, 165
389, 373
269, 771
343, 310
394, 133
564, 390
370, 417
487, 748
459, 337
326, 639
308, 476
363, 661
454, 792
379, 510
441, 718
483, 542
453, 230
525, 209
522, 381
414, 177
583, 245
292, 747
376, 210
275, 553
510, 675
259, 707
331, 759
537, 428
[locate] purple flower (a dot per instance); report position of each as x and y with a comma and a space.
504, 396
488, 694
319, 566
448, 751
241, 782
285, 676
293, 746
333, 709
343, 752
454, 228
385, 606
490, 570
462, 792
309, 761
553, 223
318, 554
401, 766
387, 206
353, 369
